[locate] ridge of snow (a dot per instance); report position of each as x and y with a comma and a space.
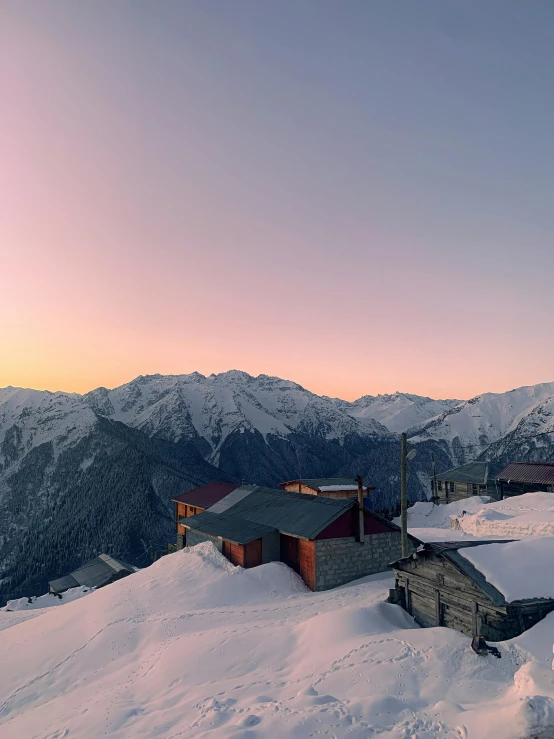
193, 646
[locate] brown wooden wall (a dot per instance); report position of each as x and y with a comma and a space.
243, 555
298, 487
306, 562
452, 491
184, 511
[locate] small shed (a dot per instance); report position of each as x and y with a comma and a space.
481, 588
473, 478
94, 574
518, 478
316, 536
329, 487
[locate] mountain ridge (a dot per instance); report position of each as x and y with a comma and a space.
84, 473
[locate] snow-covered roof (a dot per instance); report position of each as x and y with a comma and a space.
520, 570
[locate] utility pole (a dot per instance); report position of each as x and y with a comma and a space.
404, 496
435, 496
361, 526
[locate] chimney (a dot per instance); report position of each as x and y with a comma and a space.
361, 509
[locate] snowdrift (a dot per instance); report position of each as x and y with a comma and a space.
195, 647
531, 514
526, 515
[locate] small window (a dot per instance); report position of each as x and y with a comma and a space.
474, 489
439, 483
451, 487
482, 488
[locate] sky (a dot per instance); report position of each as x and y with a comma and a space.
354, 195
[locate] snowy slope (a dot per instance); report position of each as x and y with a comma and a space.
472, 426
194, 647
212, 408
399, 411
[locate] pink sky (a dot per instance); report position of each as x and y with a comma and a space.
174, 205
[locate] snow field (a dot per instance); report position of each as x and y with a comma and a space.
195, 647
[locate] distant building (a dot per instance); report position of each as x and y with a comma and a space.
94, 574
474, 478
197, 501
330, 487
525, 477
317, 536
438, 586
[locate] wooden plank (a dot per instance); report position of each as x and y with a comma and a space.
253, 553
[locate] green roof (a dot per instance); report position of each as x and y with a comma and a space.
236, 516
296, 514
231, 528
473, 472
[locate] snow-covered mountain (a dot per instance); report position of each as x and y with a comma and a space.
82, 473
211, 409
399, 411
487, 423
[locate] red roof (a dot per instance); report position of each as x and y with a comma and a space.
207, 495
538, 473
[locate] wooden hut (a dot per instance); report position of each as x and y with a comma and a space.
445, 584
519, 478
329, 487
474, 478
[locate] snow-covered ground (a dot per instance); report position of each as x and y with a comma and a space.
195, 647
46, 601
531, 514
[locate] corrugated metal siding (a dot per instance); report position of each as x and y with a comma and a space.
537, 473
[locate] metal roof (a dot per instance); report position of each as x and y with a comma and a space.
225, 526
473, 472
538, 473
296, 514
99, 571
321, 482
206, 495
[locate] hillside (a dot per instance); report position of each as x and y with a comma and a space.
83, 473
195, 647
73, 484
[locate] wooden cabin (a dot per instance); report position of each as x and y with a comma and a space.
439, 586
317, 536
329, 487
519, 478
474, 478
196, 501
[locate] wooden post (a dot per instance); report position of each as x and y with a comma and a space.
435, 491
361, 527
404, 497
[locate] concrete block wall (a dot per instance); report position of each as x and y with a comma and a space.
338, 561
180, 541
